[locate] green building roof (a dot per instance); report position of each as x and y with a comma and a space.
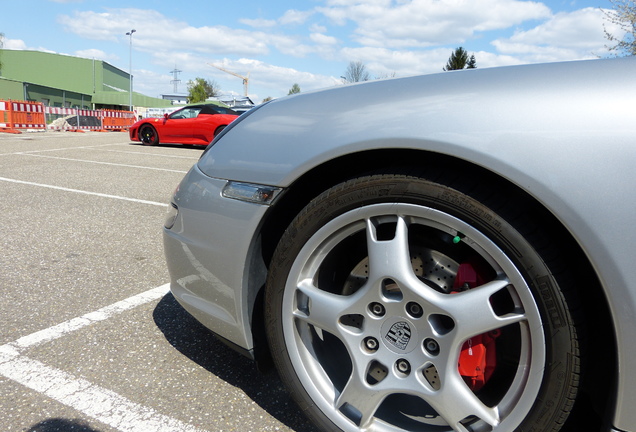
62, 80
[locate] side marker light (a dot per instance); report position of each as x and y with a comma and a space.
253, 193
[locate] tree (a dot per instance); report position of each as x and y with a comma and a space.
386, 76
459, 60
472, 63
267, 99
295, 89
356, 72
201, 89
624, 16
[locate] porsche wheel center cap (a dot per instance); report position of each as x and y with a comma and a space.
399, 335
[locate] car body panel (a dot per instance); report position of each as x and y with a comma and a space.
531, 125
195, 125
201, 260
174, 130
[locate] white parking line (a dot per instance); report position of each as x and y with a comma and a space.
149, 154
97, 402
83, 192
58, 149
101, 163
102, 314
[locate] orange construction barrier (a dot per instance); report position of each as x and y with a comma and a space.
73, 119
27, 115
117, 120
6, 125
16, 115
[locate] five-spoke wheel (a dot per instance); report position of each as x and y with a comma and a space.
148, 135
398, 304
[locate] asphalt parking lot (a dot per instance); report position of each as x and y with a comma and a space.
90, 337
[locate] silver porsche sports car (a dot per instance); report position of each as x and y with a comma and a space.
451, 252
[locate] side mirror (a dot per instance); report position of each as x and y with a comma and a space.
165, 116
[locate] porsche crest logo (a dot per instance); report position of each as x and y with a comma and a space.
399, 335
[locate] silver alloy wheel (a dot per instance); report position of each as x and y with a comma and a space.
383, 355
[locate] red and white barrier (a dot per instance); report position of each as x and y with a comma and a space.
16, 115
27, 115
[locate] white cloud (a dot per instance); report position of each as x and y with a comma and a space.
424, 23
14, 44
96, 54
265, 78
95, 26
148, 82
387, 62
290, 17
322, 39
153, 29
288, 45
258, 22
382, 62
295, 17
392, 37
20, 45
566, 36
276, 79
316, 28
349, 3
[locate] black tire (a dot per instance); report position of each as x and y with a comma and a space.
219, 130
368, 331
148, 135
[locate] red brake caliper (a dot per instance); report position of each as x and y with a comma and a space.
478, 358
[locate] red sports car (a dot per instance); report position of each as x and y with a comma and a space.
193, 124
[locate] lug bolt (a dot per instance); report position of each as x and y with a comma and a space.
415, 310
371, 344
431, 346
377, 309
403, 366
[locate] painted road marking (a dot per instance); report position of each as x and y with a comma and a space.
83, 192
103, 163
97, 402
57, 149
102, 314
148, 154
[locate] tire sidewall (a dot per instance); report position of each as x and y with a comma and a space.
560, 373
154, 132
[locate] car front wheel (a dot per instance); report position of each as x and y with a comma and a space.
395, 303
148, 135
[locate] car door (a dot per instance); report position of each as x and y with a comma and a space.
178, 127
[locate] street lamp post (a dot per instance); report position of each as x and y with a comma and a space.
130, 33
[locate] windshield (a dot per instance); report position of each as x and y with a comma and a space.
186, 113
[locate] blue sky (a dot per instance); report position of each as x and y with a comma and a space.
308, 42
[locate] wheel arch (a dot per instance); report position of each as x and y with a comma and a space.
411, 162
147, 124
219, 129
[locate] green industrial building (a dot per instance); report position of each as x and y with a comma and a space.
70, 82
